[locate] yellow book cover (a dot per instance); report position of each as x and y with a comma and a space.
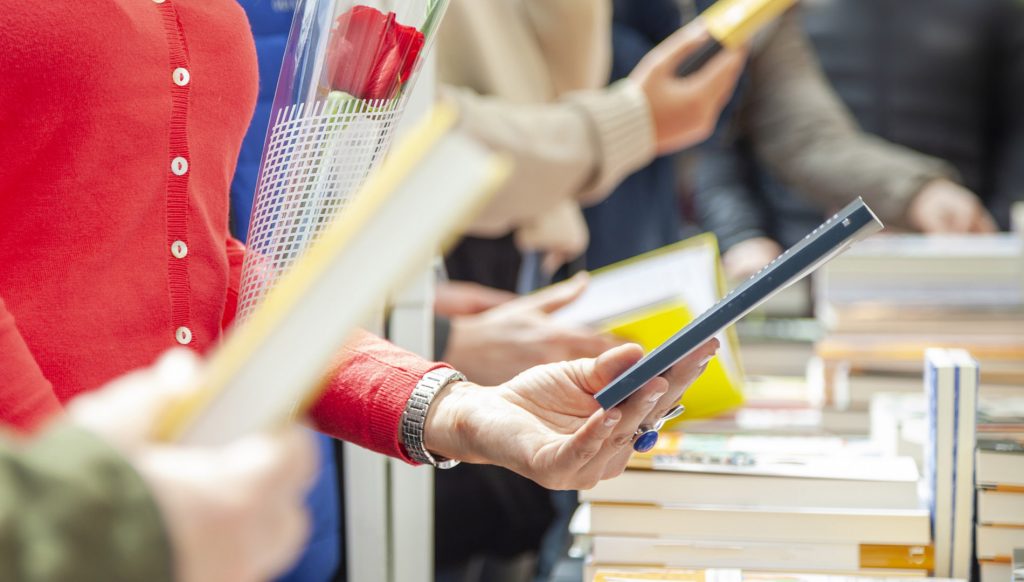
897, 557
649, 298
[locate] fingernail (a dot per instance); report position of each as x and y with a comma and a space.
656, 397
706, 361
612, 418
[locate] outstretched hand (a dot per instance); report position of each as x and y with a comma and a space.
493, 346
545, 424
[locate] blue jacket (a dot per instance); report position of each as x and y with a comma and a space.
643, 213
271, 20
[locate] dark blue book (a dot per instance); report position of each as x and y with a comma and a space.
853, 223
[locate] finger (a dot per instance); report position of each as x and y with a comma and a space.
618, 463
584, 343
723, 73
593, 375
725, 65
634, 410
955, 219
587, 442
671, 53
984, 223
488, 298
680, 377
558, 296
459, 298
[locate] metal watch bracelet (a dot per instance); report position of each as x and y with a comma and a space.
414, 418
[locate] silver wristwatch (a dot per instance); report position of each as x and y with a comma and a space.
414, 418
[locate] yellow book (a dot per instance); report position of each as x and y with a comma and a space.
647, 299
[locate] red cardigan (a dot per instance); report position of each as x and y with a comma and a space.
120, 125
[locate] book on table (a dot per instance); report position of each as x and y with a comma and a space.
902, 283
951, 386
728, 575
728, 523
649, 298
686, 469
784, 556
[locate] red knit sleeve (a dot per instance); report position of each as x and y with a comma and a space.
365, 397
26, 396
368, 391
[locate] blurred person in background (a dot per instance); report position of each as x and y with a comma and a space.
643, 212
933, 83
95, 499
529, 79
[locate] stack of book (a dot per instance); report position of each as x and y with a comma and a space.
1000, 484
951, 390
722, 575
808, 504
899, 284
786, 405
890, 298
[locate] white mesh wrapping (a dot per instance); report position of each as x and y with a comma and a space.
317, 156
322, 143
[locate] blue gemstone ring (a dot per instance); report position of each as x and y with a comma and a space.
646, 437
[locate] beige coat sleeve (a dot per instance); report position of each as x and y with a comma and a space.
577, 148
805, 134
575, 37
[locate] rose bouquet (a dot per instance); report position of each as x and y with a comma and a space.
349, 68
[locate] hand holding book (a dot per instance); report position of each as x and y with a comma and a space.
685, 110
545, 424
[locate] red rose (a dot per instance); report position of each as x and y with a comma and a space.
370, 55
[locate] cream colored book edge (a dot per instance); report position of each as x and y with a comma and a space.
272, 367
613, 573
894, 527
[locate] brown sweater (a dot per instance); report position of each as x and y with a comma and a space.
804, 133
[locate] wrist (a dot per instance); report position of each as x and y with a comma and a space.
446, 428
413, 424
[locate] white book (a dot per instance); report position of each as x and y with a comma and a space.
614, 573
966, 413
822, 481
940, 388
1000, 507
1000, 462
998, 541
995, 571
890, 526
697, 553
686, 273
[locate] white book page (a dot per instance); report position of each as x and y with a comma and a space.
687, 274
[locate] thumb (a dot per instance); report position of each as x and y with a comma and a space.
598, 373
558, 296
